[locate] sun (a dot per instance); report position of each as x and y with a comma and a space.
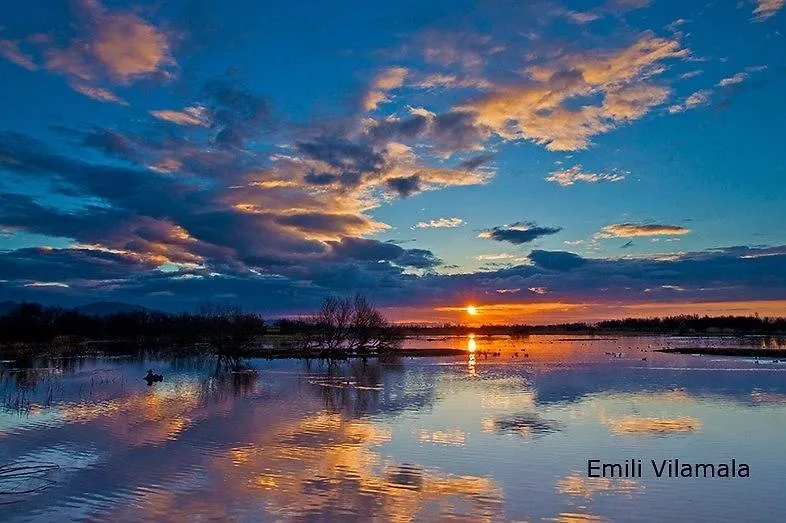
472, 310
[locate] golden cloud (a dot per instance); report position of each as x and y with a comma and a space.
538, 110
629, 230
387, 80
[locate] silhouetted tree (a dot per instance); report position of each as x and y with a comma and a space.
349, 325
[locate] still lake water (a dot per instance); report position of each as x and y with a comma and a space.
501, 433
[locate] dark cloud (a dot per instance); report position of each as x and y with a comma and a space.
473, 163
342, 154
448, 133
112, 144
320, 178
519, 232
556, 260
237, 114
405, 186
298, 283
375, 251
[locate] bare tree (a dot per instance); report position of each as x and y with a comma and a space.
349, 325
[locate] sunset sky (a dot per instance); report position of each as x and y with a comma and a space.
540, 160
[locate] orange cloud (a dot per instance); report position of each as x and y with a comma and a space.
387, 80
111, 46
538, 110
629, 230
129, 47
196, 115
766, 9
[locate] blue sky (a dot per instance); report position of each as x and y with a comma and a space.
167, 153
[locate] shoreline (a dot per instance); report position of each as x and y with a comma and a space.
727, 351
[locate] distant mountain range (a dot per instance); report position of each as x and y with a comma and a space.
99, 308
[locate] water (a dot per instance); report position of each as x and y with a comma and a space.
501, 433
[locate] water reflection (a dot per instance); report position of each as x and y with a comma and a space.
500, 433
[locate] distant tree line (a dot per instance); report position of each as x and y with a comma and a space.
342, 326
223, 327
681, 324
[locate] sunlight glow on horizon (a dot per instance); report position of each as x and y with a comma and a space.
542, 313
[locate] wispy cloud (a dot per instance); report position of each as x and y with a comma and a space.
9, 49
766, 9
733, 80
387, 80
629, 230
98, 93
697, 99
439, 223
501, 257
576, 173
196, 115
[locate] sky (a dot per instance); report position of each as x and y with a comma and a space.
543, 161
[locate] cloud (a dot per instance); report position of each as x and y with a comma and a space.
440, 223
518, 233
447, 133
9, 49
128, 46
451, 81
766, 9
385, 81
375, 251
580, 17
98, 93
696, 99
405, 186
501, 257
575, 174
456, 48
110, 46
235, 113
690, 74
556, 260
629, 230
196, 115
733, 80
554, 108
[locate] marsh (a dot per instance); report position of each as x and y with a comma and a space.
481, 436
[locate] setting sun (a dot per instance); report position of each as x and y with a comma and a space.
472, 310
